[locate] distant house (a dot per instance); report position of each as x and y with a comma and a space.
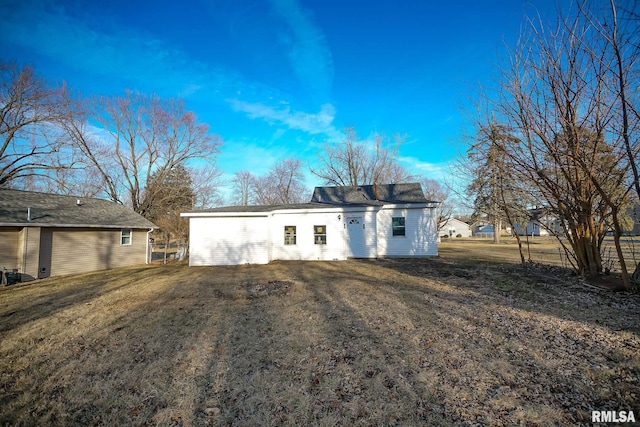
45, 235
541, 223
482, 229
454, 227
338, 223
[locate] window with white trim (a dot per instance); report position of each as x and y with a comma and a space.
125, 236
320, 234
289, 234
397, 225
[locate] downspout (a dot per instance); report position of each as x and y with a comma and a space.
147, 256
25, 246
26, 243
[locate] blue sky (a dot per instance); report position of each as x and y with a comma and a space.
279, 78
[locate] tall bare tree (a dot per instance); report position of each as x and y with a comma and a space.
206, 181
356, 162
619, 29
283, 184
139, 136
170, 194
31, 110
241, 186
557, 96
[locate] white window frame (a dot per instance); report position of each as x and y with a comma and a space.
126, 233
402, 227
290, 238
318, 237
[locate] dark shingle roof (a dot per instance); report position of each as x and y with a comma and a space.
56, 210
331, 197
370, 194
270, 208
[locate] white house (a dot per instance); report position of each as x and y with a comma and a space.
454, 227
541, 223
368, 221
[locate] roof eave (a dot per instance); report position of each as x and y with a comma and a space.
54, 225
328, 207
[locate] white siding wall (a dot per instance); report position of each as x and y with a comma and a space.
305, 247
370, 234
454, 227
420, 233
260, 239
228, 241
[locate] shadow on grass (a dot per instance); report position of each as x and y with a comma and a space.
57, 294
543, 289
312, 358
127, 364
355, 342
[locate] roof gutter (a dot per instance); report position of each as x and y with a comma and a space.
322, 209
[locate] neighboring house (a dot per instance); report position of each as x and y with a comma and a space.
482, 229
338, 223
454, 227
541, 223
45, 235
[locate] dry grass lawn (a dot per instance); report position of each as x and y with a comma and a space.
443, 341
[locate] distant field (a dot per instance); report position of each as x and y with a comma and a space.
460, 339
545, 250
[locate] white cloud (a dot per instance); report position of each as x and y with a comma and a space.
447, 173
315, 123
308, 50
438, 171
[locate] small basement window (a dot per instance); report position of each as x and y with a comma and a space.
397, 224
289, 234
125, 236
320, 234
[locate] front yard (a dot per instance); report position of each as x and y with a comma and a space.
443, 341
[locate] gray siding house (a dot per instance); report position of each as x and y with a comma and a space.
45, 235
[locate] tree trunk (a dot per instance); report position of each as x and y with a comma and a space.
497, 224
616, 239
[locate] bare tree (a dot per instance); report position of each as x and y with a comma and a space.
435, 191
31, 143
621, 57
139, 136
555, 96
283, 184
356, 162
241, 186
206, 181
168, 195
